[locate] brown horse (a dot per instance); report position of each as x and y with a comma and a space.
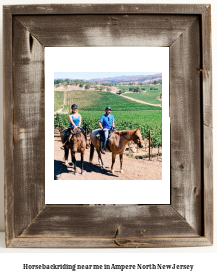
76, 143
117, 144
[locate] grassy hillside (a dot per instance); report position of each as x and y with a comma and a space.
97, 101
150, 95
128, 114
58, 100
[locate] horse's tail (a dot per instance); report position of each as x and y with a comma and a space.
91, 151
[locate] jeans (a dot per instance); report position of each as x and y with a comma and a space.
105, 137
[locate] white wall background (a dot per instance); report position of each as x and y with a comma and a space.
214, 47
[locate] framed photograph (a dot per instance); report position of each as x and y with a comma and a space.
46, 49
135, 99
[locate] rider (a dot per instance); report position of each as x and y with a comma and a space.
75, 121
106, 123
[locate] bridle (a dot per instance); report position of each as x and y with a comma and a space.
126, 138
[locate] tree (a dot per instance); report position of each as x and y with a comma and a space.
87, 86
120, 92
137, 89
58, 81
67, 81
77, 82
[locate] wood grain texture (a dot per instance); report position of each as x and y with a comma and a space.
208, 182
186, 133
207, 67
107, 243
107, 30
186, 30
29, 140
106, 9
207, 119
109, 222
8, 126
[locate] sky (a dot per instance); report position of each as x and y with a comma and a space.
92, 75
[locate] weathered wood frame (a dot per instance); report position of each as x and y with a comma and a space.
188, 220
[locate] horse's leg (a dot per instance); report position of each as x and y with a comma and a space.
66, 156
82, 162
121, 162
100, 159
113, 162
74, 162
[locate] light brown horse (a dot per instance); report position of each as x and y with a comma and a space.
117, 144
76, 143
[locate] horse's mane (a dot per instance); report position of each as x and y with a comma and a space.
125, 132
76, 132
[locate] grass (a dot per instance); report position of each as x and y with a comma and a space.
58, 100
150, 96
128, 114
97, 101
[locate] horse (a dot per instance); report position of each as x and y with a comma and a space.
117, 144
76, 143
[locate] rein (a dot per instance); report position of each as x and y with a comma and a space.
75, 133
126, 138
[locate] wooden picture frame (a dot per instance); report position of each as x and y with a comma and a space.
186, 30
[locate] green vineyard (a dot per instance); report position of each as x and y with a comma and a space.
128, 114
97, 101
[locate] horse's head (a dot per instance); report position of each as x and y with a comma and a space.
75, 140
137, 138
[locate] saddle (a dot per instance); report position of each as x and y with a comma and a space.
100, 135
67, 132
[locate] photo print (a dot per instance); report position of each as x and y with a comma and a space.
109, 127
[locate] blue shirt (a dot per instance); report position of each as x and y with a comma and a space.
107, 121
75, 121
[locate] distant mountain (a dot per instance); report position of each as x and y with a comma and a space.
128, 79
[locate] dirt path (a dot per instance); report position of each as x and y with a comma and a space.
60, 111
134, 169
140, 101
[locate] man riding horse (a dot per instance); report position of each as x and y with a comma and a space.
106, 123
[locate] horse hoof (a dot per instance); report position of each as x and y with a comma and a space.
122, 171
75, 173
82, 172
66, 163
113, 172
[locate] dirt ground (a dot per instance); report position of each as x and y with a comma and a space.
134, 169
140, 101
